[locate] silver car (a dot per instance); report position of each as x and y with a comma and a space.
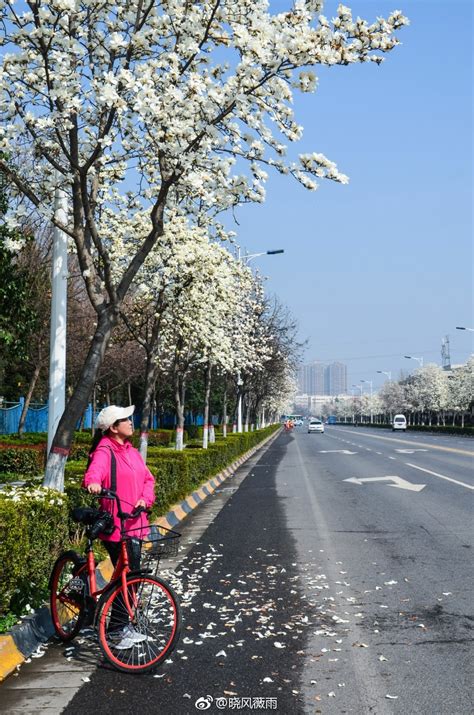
315, 426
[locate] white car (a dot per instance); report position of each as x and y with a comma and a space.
399, 422
315, 426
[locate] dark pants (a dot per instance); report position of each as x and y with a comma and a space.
119, 616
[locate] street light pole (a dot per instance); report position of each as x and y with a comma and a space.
369, 382
388, 373
418, 359
57, 352
461, 327
359, 387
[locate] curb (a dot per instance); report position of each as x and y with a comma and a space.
24, 638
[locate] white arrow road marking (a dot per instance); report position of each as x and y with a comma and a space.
399, 482
410, 451
441, 476
338, 451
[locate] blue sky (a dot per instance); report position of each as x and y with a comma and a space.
381, 268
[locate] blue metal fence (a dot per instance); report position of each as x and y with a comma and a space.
36, 417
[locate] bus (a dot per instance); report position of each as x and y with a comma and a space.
332, 420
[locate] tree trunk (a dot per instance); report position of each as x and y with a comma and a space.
247, 414
54, 476
179, 402
207, 395
224, 414
151, 375
29, 394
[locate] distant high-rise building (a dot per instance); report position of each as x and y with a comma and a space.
335, 379
311, 378
316, 378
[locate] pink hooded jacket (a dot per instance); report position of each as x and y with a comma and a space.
134, 482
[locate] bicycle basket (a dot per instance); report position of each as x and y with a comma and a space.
158, 542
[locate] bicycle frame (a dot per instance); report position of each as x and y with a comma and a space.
121, 569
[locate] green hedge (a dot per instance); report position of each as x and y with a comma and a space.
35, 524
440, 429
22, 460
28, 438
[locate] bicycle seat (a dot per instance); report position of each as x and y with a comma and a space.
99, 521
85, 515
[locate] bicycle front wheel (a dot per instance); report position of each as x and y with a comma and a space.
139, 643
68, 585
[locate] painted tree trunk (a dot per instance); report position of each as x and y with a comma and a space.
207, 396
54, 476
224, 414
179, 403
151, 375
29, 394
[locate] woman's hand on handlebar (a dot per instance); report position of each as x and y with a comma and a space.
140, 502
94, 488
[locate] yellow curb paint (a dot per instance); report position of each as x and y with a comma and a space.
106, 569
192, 502
10, 656
163, 521
179, 513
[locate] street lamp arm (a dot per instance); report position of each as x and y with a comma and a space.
249, 256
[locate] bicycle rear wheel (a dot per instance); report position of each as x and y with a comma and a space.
155, 625
68, 586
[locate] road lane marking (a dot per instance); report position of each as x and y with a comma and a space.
392, 457
406, 441
399, 482
410, 451
441, 476
338, 451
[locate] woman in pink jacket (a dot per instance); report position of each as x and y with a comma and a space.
135, 482
135, 486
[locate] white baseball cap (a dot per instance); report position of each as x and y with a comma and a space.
111, 414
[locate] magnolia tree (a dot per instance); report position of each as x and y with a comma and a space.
183, 265
134, 106
205, 322
461, 390
273, 352
428, 390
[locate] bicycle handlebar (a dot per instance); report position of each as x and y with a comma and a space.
109, 494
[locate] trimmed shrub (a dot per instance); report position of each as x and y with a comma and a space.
22, 460
33, 523
194, 432
27, 438
440, 429
79, 451
9, 477
171, 482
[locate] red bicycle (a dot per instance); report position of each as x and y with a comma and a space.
137, 614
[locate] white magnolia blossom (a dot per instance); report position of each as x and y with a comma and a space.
131, 106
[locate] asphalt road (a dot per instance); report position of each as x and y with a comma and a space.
312, 592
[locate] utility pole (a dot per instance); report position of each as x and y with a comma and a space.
57, 352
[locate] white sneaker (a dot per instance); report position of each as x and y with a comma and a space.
129, 638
